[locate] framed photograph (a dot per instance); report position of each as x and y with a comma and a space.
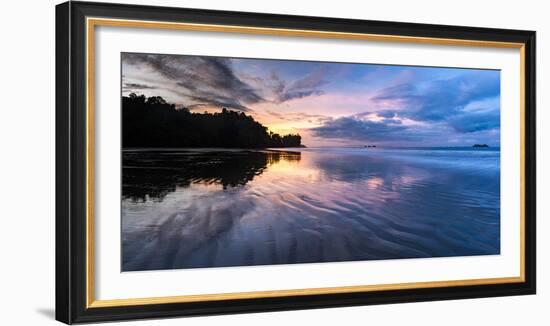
216, 162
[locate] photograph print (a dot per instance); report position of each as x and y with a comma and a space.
243, 161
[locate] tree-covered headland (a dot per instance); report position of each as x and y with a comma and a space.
152, 122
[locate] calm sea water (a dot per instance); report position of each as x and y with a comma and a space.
214, 207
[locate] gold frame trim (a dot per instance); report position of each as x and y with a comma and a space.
92, 22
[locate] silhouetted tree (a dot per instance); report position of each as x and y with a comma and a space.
152, 122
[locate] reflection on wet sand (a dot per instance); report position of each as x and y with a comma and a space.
208, 208
151, 174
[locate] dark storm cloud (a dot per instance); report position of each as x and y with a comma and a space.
205, 81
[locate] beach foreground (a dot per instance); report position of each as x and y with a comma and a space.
195, 208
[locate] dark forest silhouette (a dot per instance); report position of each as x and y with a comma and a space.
152, 122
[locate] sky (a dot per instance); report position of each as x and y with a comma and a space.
330, 104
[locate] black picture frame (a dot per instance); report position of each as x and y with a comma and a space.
71, 158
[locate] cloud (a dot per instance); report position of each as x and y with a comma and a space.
387, 114
356, 128
461, 108
299, 116
296, 94
396, 132
475, 121
441, 100
136, 86
309, 85
199, 80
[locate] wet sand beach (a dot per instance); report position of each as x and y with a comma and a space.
196, 208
